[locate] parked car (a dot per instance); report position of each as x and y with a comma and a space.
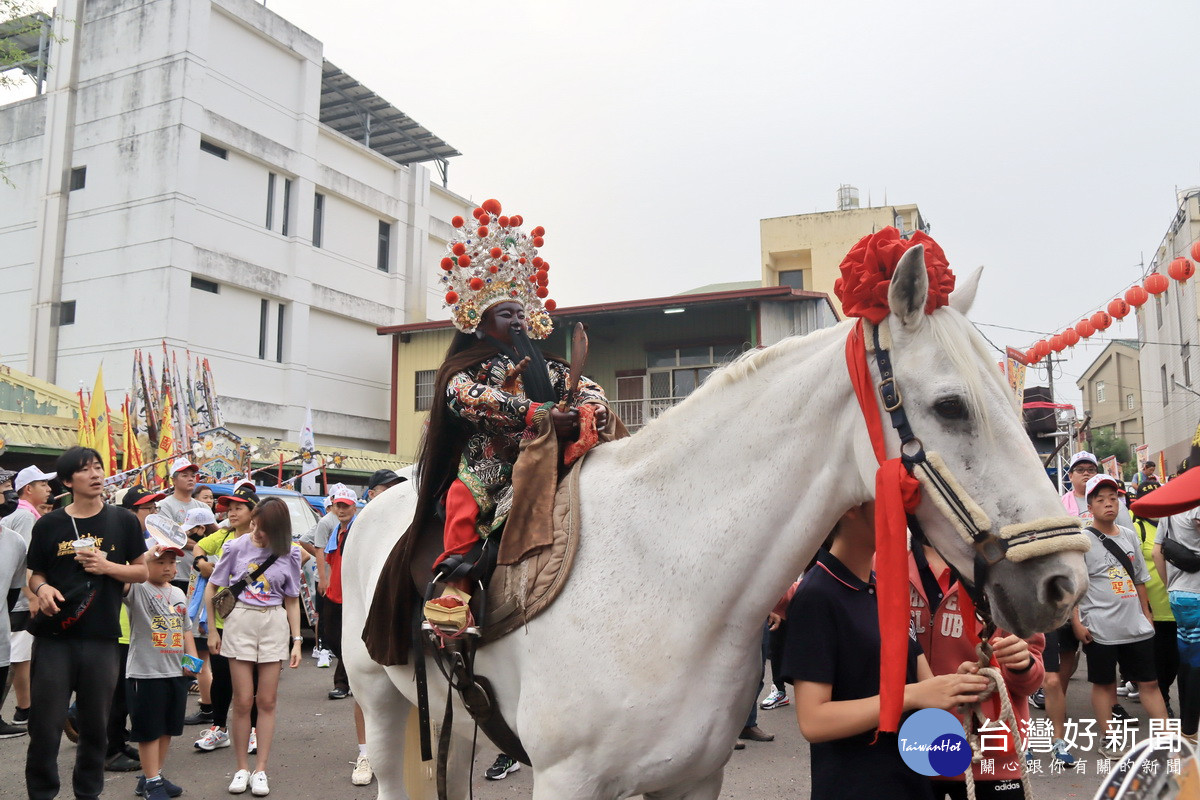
302, 515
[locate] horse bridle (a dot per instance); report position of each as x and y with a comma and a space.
1013, 542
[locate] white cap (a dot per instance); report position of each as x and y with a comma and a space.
182, 463
1096, 481
29, 475
1082, 455
198, 516
343, 494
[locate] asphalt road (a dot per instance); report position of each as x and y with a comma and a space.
315, 746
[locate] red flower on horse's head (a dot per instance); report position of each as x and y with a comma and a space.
867, 273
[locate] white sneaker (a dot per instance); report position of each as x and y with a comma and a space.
212, 739
258, 785
241, 779
362, 772
252, 747
1123, 688
323, 659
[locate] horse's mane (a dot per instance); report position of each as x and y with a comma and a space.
955, 336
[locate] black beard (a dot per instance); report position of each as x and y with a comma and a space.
536, 377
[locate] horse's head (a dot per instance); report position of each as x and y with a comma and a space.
960, 407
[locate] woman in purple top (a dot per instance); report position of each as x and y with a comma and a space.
257, 631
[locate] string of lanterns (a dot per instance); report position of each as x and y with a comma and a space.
1180, 270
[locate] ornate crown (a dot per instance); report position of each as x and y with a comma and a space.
494, 261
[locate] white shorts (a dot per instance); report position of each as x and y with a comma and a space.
256, 634
21, 643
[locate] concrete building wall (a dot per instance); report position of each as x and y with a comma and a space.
1170, 335
815, 244
135, 90
1112, 391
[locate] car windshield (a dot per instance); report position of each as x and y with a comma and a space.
302, 515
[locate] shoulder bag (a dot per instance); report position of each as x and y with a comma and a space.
226, 599
1111, 546
1178, 554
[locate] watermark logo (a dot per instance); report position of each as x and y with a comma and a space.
931, 743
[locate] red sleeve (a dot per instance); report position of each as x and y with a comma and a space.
1022, 684
785, 601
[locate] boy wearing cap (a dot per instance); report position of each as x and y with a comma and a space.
33, 490
1113, 619
183, 482
156, 681
382, 480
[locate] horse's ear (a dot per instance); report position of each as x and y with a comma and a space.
909, 288
964, 294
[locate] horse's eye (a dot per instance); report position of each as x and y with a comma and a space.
951, 408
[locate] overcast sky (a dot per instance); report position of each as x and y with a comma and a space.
1044, 140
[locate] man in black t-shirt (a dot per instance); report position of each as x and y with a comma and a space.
80, 559
831, 658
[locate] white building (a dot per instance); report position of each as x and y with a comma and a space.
195, 171
1169, 335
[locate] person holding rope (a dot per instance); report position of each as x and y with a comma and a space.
832, 661
948, 634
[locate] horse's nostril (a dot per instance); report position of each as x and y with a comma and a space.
1059, 589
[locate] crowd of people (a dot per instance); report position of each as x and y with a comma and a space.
111, 629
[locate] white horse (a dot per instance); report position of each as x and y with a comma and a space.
638, 678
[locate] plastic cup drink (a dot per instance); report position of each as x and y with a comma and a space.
85, 544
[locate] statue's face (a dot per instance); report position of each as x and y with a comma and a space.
503, 320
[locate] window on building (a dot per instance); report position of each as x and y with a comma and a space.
205, 285
66, 313
78, 178
1162, 373
318, 218
1129, 402
287, 205
423, 381
1158, 309
676, 372
1099, 391
1185, 355
279, 336
792, 277
270, 200
214, 150
385, 246
264, 311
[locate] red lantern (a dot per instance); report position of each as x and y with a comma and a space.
1155, 283
451, 298
1136, 296
1196, 251
1030, 357
1118, 308
1101, 320
551, 305
1057, 344
1085, 328
457, 222
1041, 348
491, 206
1070, 337
1181, 269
